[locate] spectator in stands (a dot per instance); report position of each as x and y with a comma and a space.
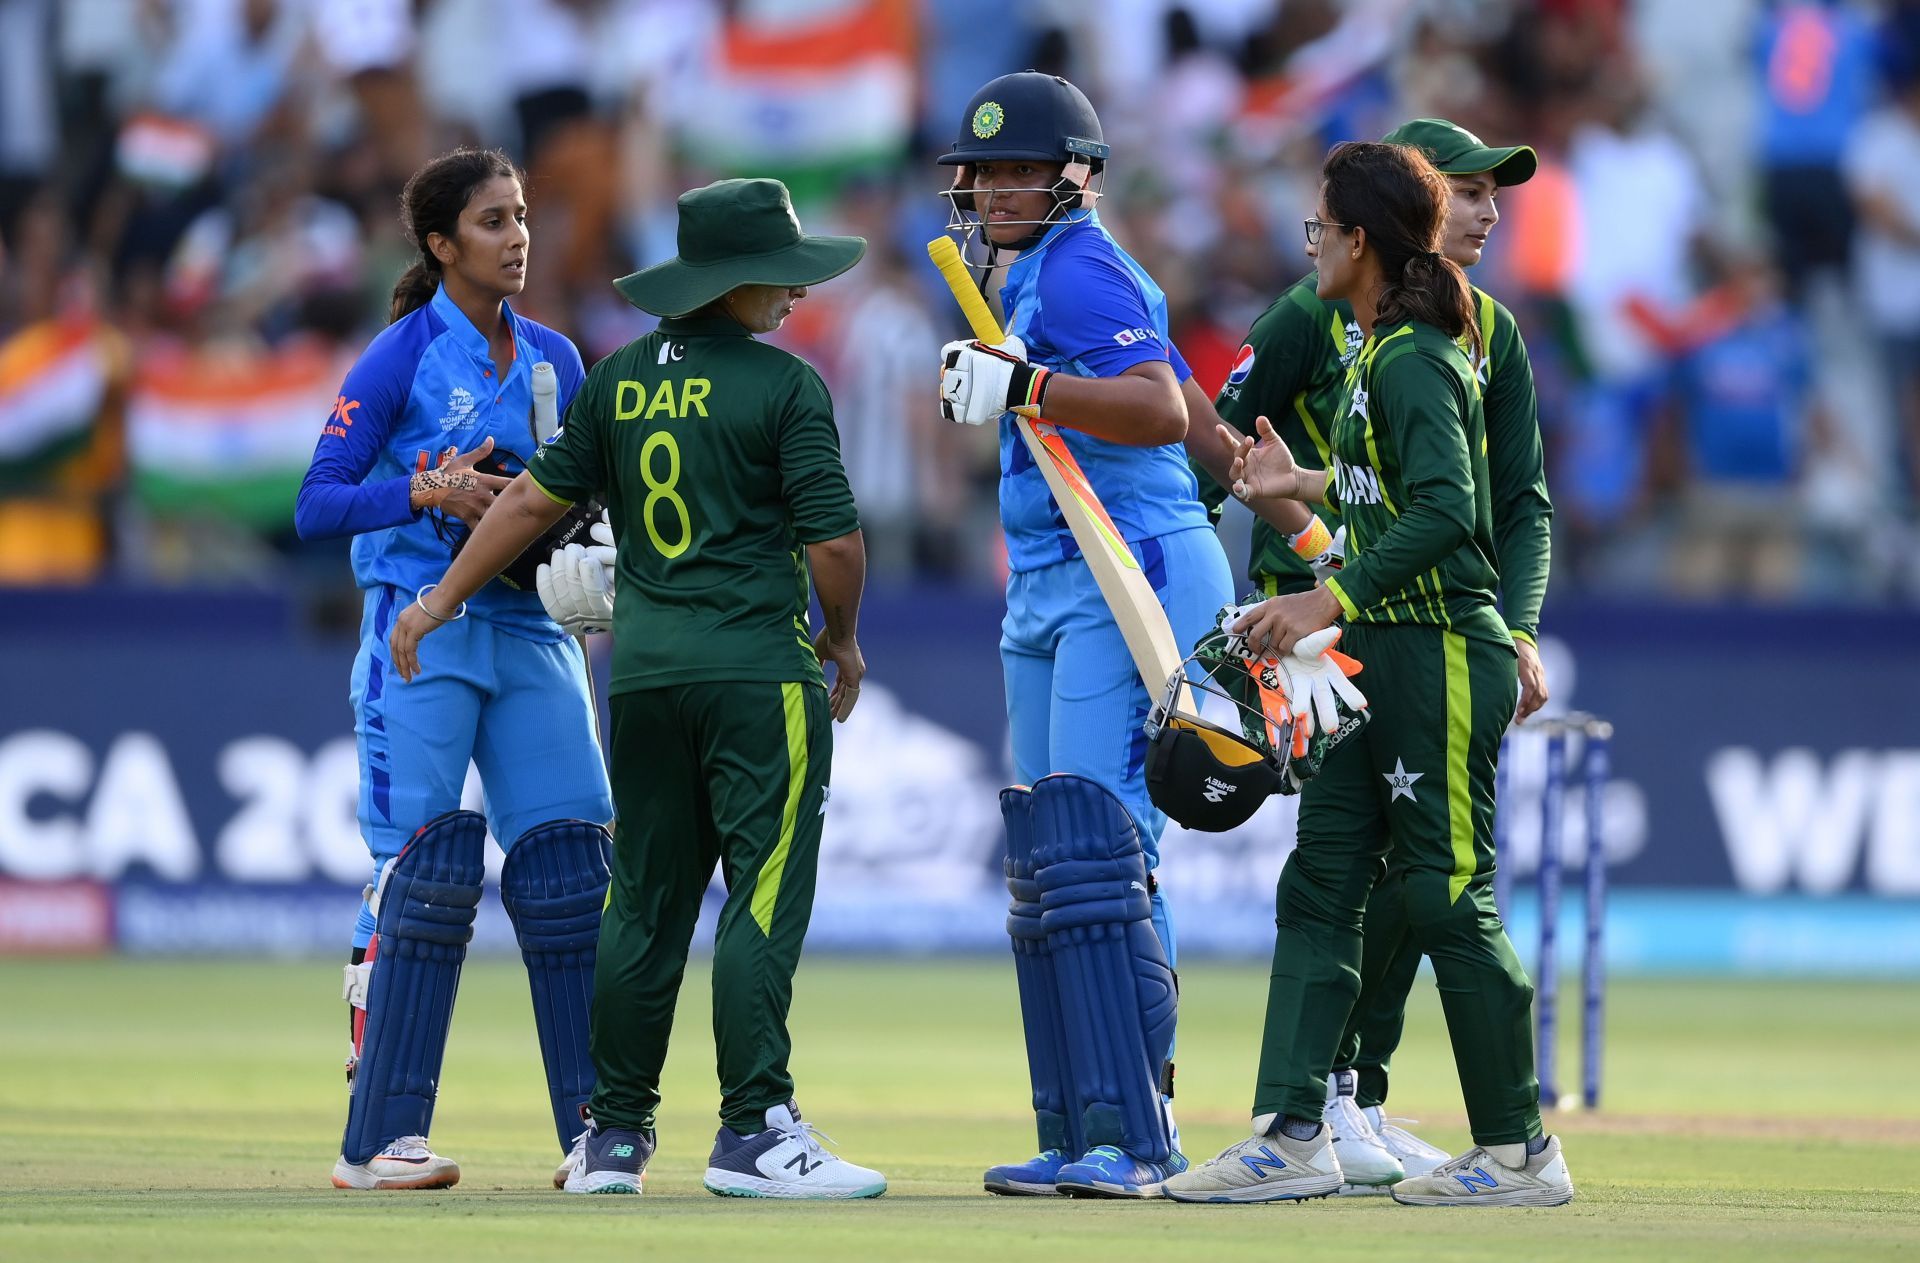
1883, 179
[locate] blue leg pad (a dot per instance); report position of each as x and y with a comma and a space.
423, 918
1056, 1109
554, 885
1117, 993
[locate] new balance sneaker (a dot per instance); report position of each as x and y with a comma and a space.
406, 1163
1415, 1154
1475, 1178
570, 1163
612, 1160
785, 1160
1106, 1171
1268, 1166
1032, 1178
1366, 1162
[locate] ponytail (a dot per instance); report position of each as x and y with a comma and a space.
431, 203
1432, 289
1395, 193
415, 288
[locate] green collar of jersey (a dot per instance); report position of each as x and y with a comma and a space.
707, 326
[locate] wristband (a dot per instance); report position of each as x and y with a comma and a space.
1312, 541
420, 599
1027, 389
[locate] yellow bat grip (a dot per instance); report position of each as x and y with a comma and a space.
946, 256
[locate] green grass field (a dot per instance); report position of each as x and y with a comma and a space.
176, 1109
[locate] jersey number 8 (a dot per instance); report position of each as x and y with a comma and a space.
662, 489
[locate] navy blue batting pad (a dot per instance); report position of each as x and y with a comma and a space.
1117, 994
423, 920
554, 886
1056, 1110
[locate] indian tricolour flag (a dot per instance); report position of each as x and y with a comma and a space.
806, 90
208, 433
53, 383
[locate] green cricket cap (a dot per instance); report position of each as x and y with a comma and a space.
1457, 151
733, 233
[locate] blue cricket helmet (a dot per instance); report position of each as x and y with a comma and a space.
1029, 115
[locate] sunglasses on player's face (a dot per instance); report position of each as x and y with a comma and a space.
1317, 227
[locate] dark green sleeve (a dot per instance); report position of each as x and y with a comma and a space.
1522, 513
571, 467
813, 482
1285, 341
1421, 403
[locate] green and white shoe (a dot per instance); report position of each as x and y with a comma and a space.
1265, 1167
1476, 1178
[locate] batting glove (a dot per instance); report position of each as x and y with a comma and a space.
1333, 559
602, 549
979, 382
1317, 682
573, 587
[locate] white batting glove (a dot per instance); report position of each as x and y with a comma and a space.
1331, 561
1317, 682
602, 549
979, 382
573, 587
1236, 642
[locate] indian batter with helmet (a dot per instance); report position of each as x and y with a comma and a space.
1089, 353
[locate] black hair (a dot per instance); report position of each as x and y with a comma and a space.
432, 201
1395, 193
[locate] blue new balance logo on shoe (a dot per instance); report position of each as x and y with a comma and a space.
1478, 1178
1266, 1158
621, 1151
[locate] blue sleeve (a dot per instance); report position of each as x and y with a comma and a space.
1094, 313
334, 497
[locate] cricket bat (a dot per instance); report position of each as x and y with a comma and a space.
1129, 597
546, 402
546, 423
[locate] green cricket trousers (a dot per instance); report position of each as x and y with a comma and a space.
1416, 782
727, 773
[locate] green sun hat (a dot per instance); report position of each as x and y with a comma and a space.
733, 233
1457, 151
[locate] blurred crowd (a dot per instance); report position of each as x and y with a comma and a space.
1717, 267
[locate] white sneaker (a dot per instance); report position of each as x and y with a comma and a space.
1415, 1154
406, 1163
576, 1156
1475, 1178
1369, 1166
785, 1160
1265, 1167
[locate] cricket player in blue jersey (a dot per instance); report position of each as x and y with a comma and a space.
443, 394
1088, 352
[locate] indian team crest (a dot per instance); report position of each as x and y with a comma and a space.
988, 120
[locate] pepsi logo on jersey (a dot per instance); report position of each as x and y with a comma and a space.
1242, 366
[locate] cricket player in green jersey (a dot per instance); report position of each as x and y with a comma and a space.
720, 465
1292, 368
1523, 538
1409, 473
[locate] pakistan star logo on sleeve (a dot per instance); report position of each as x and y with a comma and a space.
1402, 781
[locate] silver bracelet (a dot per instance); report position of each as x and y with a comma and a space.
420, 599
